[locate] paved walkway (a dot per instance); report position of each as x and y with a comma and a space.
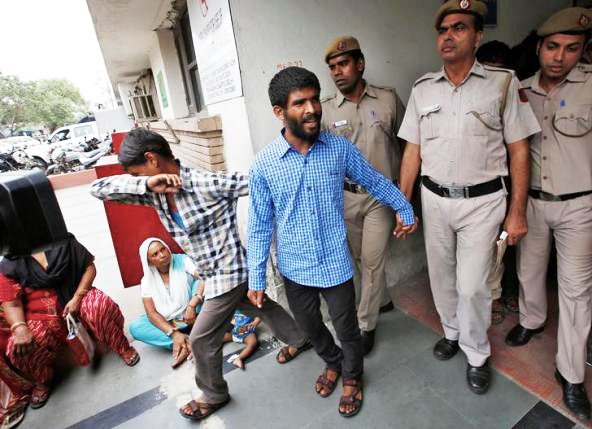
405, 387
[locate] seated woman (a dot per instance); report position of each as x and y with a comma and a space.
37, 292
243, 332
171, 297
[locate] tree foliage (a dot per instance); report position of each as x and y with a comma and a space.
51, 102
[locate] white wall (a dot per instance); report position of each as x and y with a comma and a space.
238, 147
397, 37
164, 59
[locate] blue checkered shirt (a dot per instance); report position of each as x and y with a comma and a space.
302, 197
207, 204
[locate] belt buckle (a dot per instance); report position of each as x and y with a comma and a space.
456, 192
545, 196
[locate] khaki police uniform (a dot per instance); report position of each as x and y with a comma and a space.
372, 126
560, 206
461, 132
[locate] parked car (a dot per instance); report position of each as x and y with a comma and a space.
74, 134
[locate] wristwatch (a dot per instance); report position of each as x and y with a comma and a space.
171, 331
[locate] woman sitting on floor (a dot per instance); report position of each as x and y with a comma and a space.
37, 292
171, 296
172, 299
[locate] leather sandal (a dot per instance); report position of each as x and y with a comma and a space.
197, 407
324, 383
351, 399
284, 355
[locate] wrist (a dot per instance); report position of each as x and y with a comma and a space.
171, 331
17, 326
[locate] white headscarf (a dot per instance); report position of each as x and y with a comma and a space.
170, 303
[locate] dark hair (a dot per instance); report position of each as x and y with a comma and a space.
138, 142
288, 80
493, 52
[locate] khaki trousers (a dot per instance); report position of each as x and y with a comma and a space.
460, 236
370, 228
570, 223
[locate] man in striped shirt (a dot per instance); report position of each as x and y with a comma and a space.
199, 211
296, 185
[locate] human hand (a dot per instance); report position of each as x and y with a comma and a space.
516, 227
23, 341
257, 297
190, 315
72, 306
163, 183
180, 344
401, 230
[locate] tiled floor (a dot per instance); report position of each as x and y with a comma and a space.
405, 387
531, 366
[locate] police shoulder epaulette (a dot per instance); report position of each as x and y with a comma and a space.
498, 69
584, 68
328, 98
383, 87
424, 78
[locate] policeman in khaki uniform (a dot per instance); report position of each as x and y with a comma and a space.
369, 116
456, 122
560, 199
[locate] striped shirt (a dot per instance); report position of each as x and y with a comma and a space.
302, 197
206, 203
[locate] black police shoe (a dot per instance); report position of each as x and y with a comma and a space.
445, 349
367, 341
519, 335
387, 307
478, 378
574, 397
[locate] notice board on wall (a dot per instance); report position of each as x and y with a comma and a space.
215, 49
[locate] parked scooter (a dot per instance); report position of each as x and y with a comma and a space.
65, 161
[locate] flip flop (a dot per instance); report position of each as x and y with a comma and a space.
196, 409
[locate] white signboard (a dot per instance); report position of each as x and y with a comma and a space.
215, 49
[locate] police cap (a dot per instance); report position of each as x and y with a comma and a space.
341, 45
570, 20
471, 7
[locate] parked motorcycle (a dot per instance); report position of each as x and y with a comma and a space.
7, 163
27, 162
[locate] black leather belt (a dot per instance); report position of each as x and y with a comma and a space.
463, 191
354, 188
545, 196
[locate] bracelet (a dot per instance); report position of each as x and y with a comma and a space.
16, 325
171, 331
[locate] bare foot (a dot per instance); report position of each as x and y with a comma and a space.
238, 362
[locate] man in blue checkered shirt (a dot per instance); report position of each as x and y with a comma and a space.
199, 211
296, 186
